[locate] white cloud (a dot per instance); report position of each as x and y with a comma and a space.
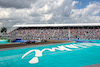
87, 14
46, 17
50, 11
44, 9
74, 2
0, 23
4, 13
58, 3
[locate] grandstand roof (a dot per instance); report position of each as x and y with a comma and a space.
57, 25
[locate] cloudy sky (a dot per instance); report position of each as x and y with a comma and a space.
14, 12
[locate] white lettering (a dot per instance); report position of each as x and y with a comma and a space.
38, 53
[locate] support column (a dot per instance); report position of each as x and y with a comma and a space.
69, 34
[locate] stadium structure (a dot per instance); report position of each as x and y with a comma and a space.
57, 31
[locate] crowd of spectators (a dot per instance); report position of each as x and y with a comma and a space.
85, 33
56, 33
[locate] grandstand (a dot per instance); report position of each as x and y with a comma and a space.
57, 31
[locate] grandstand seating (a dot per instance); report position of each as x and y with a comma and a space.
56, 33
